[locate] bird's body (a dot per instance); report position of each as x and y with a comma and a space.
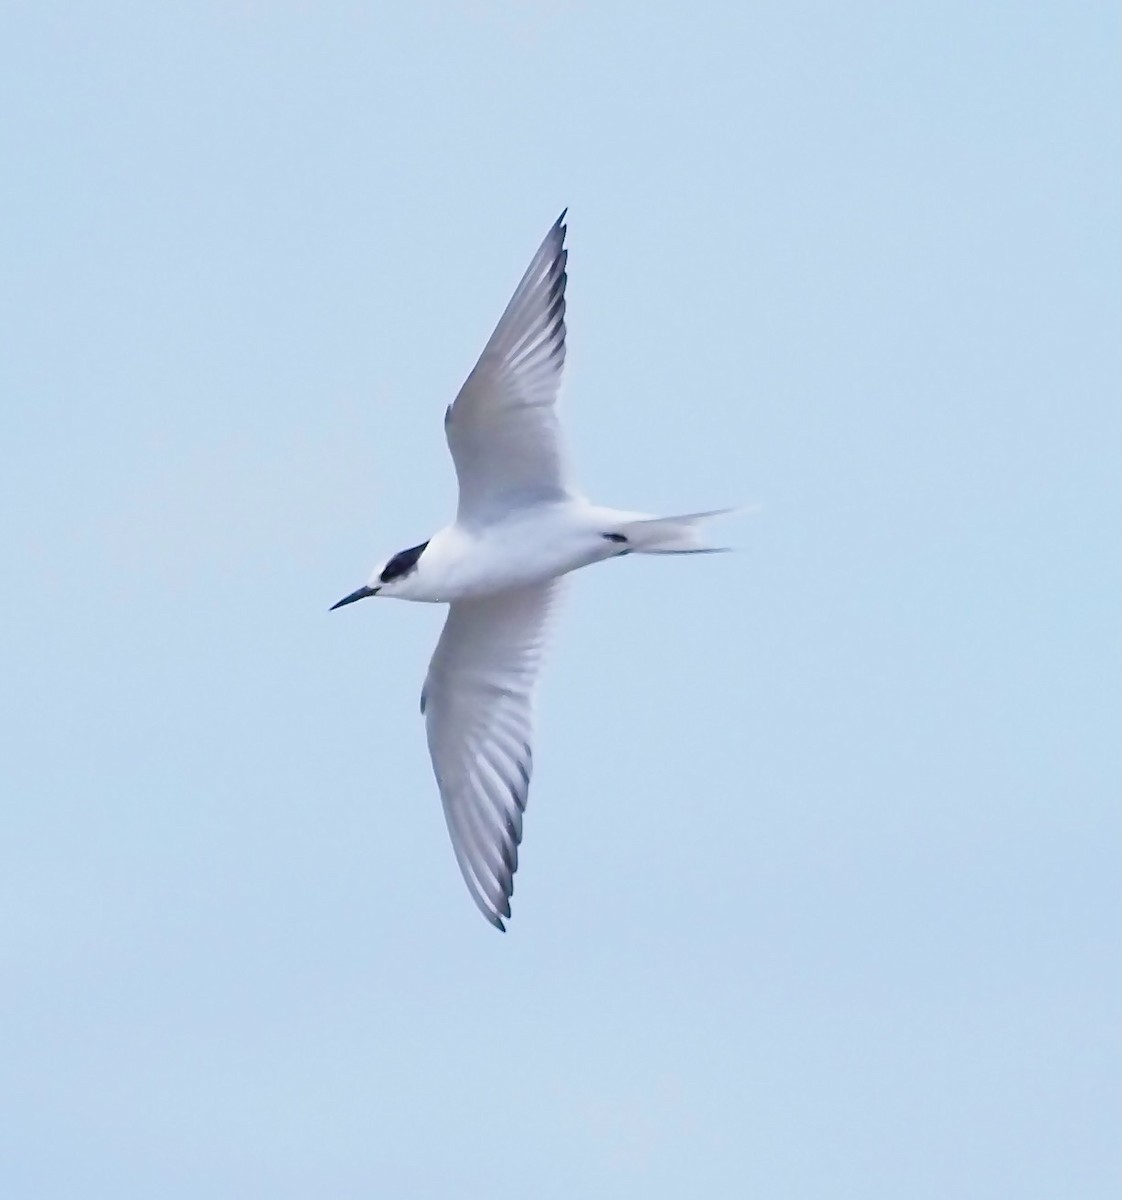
524, 546
521, 525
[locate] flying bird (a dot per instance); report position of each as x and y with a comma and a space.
521, 524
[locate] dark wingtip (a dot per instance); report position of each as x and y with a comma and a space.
560, 228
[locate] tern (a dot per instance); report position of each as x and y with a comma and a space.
521, 524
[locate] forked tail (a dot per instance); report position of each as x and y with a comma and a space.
670, 535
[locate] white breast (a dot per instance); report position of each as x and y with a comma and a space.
529, 546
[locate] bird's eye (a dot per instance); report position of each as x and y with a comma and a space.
402, 563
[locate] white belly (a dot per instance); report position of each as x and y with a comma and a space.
531, 546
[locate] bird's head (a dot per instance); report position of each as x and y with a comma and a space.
387, 577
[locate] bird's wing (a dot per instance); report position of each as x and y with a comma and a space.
502, 427
478, 706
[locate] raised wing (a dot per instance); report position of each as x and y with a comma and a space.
478, 706
502, 427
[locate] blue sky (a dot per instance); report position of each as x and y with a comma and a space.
819, 891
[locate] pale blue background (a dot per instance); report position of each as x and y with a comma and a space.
819, 894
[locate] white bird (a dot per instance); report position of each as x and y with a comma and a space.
521, 524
